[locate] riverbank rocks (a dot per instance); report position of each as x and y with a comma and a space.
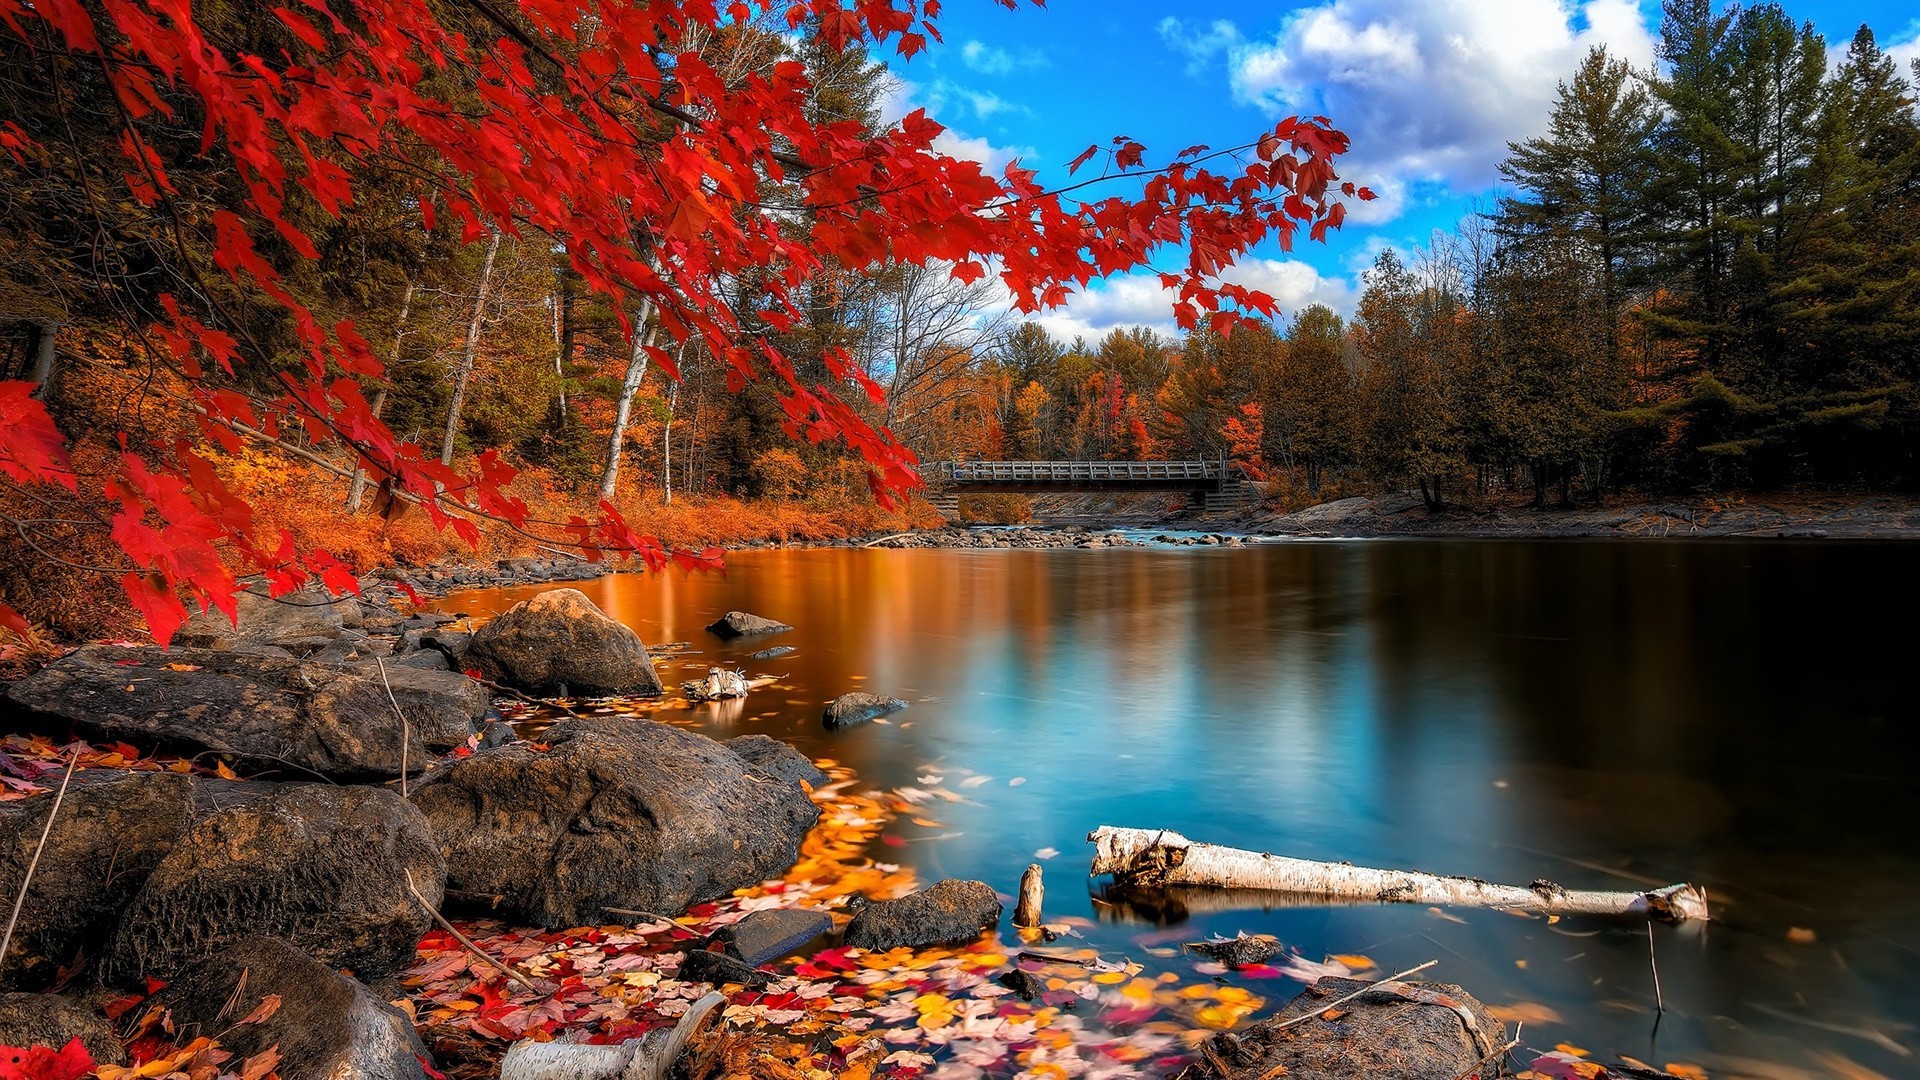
944, 913
719, 969
613, 813
300, 622
778, 759
305, 718
53, 1021
328, 868
559, 643
113, 828
1412, 1031
327, 1026
848, 710
767, 935
739, 624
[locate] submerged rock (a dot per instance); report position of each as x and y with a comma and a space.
1412, 1031
560, 643
54, 1021
325, 867
327, 1026
113, 828
616, 813
765, 936
858, 708
1240, 951
774, 653
739, 624
310, 718
943, 913
775, 758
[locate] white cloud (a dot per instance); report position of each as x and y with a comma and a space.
1906, 53
1199, 44
902, 97
993, 60
1139, 299
1431, 91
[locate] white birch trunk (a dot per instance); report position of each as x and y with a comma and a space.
1158, 857
465, 371
646, 1058
623, 409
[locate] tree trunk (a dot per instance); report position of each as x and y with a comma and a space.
465, 370
666, 440
44, 358
357, 491
623, 409
1159, 857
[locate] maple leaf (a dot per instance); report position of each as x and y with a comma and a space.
70, 1062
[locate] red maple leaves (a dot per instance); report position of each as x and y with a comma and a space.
659, 176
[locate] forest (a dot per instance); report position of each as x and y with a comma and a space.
1701, 277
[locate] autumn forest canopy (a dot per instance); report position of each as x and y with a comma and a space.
296, 291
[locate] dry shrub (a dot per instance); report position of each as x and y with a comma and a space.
1006, 509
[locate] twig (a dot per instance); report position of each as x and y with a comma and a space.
505, 967
406, 732
20, 900
1659, 1002
1339, 1001
1498, 1052
647, 915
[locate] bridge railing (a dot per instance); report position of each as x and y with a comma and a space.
1070, 472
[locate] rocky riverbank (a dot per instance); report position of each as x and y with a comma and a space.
1801, 517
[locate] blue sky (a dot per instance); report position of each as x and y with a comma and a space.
1430, 90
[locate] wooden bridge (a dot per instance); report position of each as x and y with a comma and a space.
1215, 485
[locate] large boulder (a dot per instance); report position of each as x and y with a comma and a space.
300, 621
54, 1021
739, 624
777, 759
326, 1027
943, 913
113, 828
1414, 1031
614, 813
560, 643
848, 710
303, 718
331, 869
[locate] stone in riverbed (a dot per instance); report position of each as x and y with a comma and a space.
615, 813
327, 1027
325, 867
719, 969
1414, 1031
1239, 952
304, 717
776, 758
53, 1021
858, 708
774, 653
767, 935
113, 828
560, 643
944, 913
739, 624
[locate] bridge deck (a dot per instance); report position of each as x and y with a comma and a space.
1042, 476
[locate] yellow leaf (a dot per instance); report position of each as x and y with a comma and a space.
1355, 961
220, 767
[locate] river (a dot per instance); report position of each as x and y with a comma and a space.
1603, 714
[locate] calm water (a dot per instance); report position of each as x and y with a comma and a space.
1603, 714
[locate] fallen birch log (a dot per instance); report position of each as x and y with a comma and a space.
647, 1058
1155, 857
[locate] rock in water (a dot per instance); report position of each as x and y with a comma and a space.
719, 685
1411, 1031
1242, 951
615, 814
302, 621
775, 758
560, 643
848, 710
113, 828
719, 969
325, 867
53, 1021
774, 653
767, 935
944, 913
739, 624
278, 713
327, 1027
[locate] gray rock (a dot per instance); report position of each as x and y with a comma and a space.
1238, 952
615, 814
54, 1021
944, 913
300, 620
424, 660
454, 645
301, 717
776, 758
858, 708
719, 969
739, 624
325, 867
327, 1027
560, 643
766, 936
1381, 1033
113, 828
774, 653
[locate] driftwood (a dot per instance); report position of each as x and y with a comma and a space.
1027, 912
720, 684
646, 1058
1158, 857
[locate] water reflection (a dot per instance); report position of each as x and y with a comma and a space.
1605, 715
